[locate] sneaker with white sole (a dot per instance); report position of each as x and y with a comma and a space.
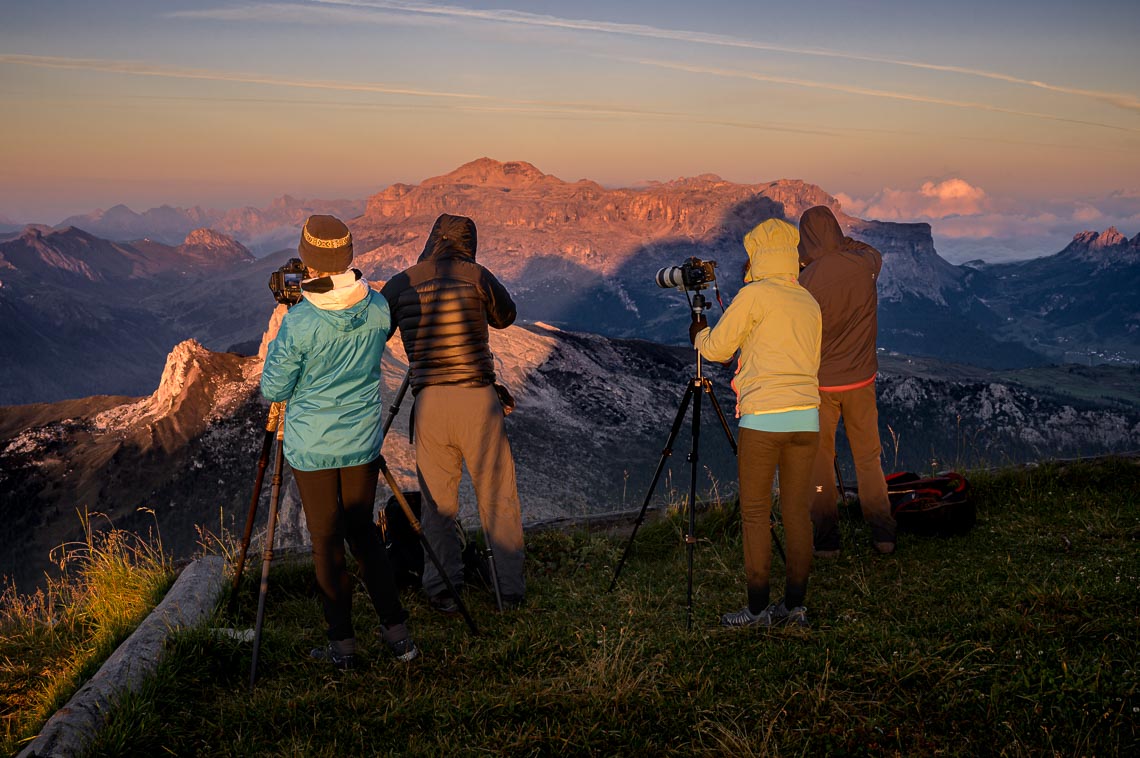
796, 617
745, 617
340, 653
400, 642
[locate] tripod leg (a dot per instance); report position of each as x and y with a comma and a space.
720, 415
839, 480
494, 577
247, 535
267, 555
665, 453
419, 530
691, 537
394, 408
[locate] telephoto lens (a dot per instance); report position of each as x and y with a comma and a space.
670, 277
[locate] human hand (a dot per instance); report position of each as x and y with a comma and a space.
699, 323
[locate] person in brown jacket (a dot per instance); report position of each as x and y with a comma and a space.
842, 275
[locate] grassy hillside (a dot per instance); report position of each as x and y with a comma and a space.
57, 638
1017, 639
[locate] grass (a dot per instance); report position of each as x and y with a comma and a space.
56, 638
1017, 639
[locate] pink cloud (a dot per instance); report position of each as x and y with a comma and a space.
931, 201
968, 223
1086, 212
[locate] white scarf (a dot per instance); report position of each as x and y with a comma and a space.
347, 291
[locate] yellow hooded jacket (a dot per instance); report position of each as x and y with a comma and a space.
776, 325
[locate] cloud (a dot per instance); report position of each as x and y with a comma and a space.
1086, 212
950, 197
969, 223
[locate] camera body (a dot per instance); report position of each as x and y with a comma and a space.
285, 282
693, 274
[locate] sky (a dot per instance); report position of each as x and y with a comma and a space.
1009, 126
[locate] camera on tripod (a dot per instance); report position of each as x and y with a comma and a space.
285, 282
693, 274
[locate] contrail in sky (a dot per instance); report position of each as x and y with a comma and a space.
469, 102
869, 92
137, 68
506, 16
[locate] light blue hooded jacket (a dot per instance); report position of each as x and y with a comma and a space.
326, 365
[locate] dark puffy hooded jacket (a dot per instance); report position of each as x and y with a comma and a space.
443, 306
842, 275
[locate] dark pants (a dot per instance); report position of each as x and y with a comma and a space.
759, 455
338, 506
860, 417
455, 425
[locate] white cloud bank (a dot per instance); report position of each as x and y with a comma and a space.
968, 223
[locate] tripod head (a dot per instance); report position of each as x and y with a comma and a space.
698, 305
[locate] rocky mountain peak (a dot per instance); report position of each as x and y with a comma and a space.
1103, 248
197, 387
208, 246
1111, 237
491, 173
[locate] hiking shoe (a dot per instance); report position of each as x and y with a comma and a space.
340, 653
796, 617
884, 548
745, 617
512, 602
444, 602
826, 553
400, 642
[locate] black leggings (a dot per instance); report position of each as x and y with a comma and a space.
338, 506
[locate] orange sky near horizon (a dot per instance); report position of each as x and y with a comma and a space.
220, 104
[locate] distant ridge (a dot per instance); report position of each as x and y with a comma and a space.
262, 229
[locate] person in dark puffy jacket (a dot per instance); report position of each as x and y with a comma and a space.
443, 307
842, 275
325, 364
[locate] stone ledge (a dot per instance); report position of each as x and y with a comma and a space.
191, 600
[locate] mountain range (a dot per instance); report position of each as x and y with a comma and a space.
80, 315
129, 358
261, 229
575, 254
1080, 305
593, 417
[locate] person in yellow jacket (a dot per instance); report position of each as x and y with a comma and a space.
775, 324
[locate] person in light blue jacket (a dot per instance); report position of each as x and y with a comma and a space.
324, 364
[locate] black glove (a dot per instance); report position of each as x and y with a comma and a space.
699, 323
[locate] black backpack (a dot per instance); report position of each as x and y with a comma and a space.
932, 506
406, 553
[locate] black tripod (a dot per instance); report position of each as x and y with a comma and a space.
275, 427
697, 385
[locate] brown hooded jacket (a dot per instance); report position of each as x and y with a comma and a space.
842, 275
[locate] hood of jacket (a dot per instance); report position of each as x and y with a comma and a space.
344, 304
820, 234
772, 251
451, 237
